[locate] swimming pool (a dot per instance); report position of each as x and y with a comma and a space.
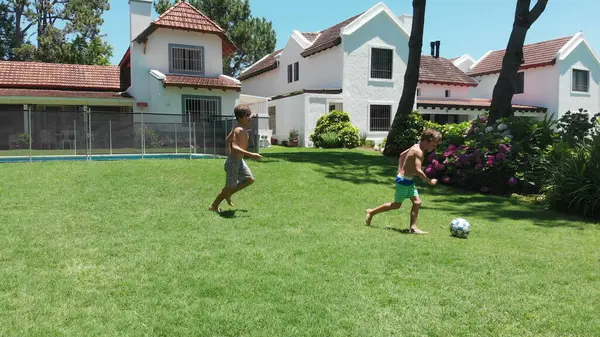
106, 157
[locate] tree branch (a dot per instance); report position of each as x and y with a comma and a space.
537, 10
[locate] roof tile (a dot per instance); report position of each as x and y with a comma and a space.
535, 54
61, 93
264, 65
202, 82
15, 74
328, 37
442, 71
470, 103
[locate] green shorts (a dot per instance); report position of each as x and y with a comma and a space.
405, 189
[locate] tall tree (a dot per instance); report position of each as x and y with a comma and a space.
394, 143
253, 36
60, 27
7, 32
513, 58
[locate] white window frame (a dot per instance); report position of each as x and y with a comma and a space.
589, 81
520, 93
200, 49
377, 46
391, 104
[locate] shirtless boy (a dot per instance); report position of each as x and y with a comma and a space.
238, 174
409, 167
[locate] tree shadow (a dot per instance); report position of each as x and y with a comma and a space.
231, 213
344, 165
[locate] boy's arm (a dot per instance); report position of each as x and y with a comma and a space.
420, 173
234, 145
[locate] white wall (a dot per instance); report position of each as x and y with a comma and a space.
264, 84
289, 114
317, 105
579, 58
358, 90
429, 90
464, 63
540, 88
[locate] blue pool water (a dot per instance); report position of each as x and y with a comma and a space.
105, 157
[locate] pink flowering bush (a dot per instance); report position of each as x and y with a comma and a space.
502, 158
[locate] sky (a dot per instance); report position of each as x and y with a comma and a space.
462, 26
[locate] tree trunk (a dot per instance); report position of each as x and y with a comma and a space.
504, 90
411, 77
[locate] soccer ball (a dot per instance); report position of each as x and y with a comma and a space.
460, 228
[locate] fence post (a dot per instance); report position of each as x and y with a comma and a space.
189, 117
143, 140
29, 129
75, 135
204, 137
110, 135
214, 138
175, 127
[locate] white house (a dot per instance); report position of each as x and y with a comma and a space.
560, 75
358, 66
173, 67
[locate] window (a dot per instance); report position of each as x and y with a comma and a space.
296, 71
381, 63
418, 91
201, 108
426, 117
580, 81
520, 85
380, 118
447, 93
289, 73
335, 106
272, 119
186, 59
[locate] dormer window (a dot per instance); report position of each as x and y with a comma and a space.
185, 59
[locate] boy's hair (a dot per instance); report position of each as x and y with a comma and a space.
241, 111
431, 135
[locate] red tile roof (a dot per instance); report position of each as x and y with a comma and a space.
310, 36
442, 71
328, 38
201, 82
61, 93
470, 103
536, 55
183, 16
38, 75
262, 66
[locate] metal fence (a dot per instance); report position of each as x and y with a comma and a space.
85, 133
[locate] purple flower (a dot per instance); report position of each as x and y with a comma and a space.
431, 157
490, 162
512, 181
429, 170
483, 118
438, 167
446, 180
478, 167
463, 158
499, 156
502, 148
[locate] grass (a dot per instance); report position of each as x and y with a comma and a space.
127, 248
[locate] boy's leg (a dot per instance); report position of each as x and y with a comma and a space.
248, 179
414, 215
380, 209
225, 193
231, 168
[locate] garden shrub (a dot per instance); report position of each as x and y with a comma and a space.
407, 132
338, 123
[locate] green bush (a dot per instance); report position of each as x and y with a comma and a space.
574, 179
338, 123
329, 140
370, 143
405, 132
576, 127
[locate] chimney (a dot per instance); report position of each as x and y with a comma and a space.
140, 17
432, 48
406, 20
437, 49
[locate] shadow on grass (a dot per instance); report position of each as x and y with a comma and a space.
231, 213
370, 168
350, 166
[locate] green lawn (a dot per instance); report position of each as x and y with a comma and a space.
128, 249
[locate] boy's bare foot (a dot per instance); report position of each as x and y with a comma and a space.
212, 209
415, 230
228, 199
368, 217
